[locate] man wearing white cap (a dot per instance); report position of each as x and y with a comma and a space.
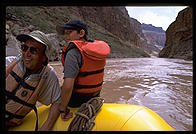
29, 79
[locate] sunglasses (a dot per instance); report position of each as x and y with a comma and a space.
32, 50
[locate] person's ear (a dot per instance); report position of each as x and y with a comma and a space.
44, 58
82, 33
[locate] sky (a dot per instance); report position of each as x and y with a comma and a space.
158, 16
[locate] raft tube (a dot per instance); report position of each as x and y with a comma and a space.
111, 117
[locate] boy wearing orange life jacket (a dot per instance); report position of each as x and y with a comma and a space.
83, 62
29, 78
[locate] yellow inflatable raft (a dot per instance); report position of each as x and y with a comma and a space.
111, 117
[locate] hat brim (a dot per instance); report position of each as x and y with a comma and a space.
25, 37
61, 29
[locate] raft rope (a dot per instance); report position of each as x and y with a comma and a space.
86, 114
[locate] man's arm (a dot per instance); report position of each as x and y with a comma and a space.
52, 117
50, 94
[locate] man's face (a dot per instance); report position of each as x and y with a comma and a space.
33, 55
71, 35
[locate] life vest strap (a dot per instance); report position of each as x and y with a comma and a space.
83, 74
11, 116
78, 86
16, 99
21, 81
65, 51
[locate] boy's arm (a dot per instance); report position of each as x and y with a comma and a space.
65, 96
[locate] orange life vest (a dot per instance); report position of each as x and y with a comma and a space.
90, 77
21, 94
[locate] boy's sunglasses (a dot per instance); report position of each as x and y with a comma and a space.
32, 50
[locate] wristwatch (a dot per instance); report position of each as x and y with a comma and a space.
62, 111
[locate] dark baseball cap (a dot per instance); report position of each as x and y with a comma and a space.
72, 25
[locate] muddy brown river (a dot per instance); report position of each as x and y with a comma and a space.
163, 85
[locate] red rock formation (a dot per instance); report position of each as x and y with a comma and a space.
112, 19
155, 38
142, 42
151, 38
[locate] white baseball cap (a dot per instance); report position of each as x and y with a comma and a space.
38, 36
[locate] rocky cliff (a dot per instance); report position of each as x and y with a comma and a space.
153, 38
150, 27
142, 42
110, 24
179, 37
154, 35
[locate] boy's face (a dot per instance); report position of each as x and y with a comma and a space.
71, 35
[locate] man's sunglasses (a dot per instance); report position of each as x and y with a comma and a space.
32, 50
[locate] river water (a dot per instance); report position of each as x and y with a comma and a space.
163, 85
